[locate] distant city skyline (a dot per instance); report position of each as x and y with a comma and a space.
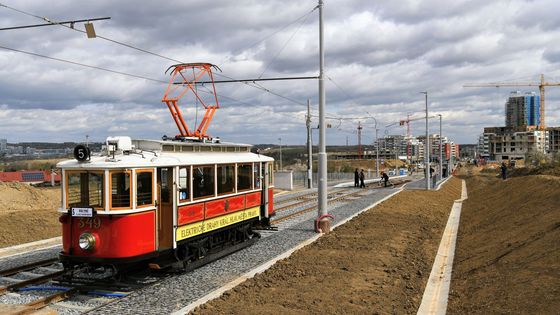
379, 56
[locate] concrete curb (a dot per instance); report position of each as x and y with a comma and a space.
443, 182
259, 269
436, 293
28, 247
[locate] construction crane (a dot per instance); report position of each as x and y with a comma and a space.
540, 84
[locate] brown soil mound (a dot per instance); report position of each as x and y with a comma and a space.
377, 263
27, 213
508, 251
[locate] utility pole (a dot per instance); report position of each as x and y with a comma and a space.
280, 141
376, 146
359, 141
309, 148
440, 150
324, 223
427, 148
376, 151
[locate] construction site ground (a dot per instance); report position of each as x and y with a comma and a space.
28, 213
507, 258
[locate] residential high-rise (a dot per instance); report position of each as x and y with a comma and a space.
523, 110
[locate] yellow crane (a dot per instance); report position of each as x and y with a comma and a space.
540, 84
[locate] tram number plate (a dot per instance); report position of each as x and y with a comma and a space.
82, 212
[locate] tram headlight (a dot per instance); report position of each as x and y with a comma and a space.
87, 241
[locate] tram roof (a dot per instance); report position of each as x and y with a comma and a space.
158, 153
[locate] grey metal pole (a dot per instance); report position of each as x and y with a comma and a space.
376, 146
377, 152
440, 150
427, 148
324, 223
309, 148
280, 140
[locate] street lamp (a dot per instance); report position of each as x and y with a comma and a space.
376, 146
280, 140
427, 148
440, 150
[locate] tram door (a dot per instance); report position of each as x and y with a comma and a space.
265, 177
165, 207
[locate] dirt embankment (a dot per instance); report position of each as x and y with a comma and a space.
378, 263
508, 251
27, 213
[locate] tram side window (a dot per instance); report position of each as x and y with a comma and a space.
184, 183
144, 189
244, 176
270, 175
226, 183
120, 190
203, 181
85, 190
257, 175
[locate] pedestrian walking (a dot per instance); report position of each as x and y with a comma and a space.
362, 177
504, 170
356, 178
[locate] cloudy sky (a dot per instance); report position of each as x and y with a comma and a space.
379, 56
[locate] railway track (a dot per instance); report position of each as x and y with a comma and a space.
31, 287
303, 199
342, 196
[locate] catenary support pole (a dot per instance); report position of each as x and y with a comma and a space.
440, 150
324, 222
376, 146
376, 152
280, 142
427, 148
309, 148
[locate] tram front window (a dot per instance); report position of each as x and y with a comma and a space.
120, 189
144, 188
85, 189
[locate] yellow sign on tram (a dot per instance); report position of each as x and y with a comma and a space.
198, 228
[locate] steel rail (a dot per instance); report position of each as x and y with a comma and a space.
23, 283
314, 207
27, 267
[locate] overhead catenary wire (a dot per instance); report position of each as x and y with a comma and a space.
82, 64
108, 70
278, 30
285, 44
51, 24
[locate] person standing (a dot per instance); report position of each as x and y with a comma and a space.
356, 178
504, 170
362, 178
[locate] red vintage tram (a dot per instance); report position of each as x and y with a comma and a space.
183, 200
162, 202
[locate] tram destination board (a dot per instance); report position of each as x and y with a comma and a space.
82, 212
